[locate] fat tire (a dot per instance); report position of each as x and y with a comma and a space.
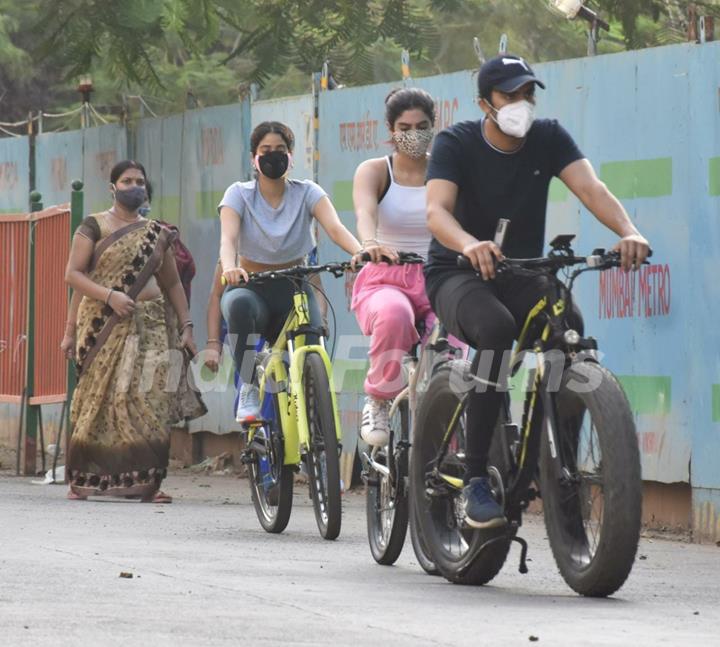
614, 557
433, 417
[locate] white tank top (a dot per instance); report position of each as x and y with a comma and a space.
402, 217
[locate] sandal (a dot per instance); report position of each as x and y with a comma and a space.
160, 497
74, 496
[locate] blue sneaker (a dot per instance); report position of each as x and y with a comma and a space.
481, 508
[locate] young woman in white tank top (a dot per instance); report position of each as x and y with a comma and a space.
389, 299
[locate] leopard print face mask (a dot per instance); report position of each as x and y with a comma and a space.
414, 143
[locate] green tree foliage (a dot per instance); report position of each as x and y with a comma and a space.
203, 52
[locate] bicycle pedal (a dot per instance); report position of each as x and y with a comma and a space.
247, 458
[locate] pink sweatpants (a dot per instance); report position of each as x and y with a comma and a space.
388, 300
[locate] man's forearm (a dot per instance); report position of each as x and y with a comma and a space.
446, 229
608, 210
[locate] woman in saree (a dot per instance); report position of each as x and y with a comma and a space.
127, 347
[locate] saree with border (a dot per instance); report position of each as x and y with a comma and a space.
132, 376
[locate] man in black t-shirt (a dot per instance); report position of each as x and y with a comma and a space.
479, 172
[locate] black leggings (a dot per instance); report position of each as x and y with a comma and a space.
489, 316
259, 309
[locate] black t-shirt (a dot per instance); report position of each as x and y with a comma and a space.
493, 184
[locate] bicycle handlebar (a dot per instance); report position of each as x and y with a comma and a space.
336, 269
405, 258
598, 260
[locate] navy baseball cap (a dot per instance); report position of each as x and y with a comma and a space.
505, 73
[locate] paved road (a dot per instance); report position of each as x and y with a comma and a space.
206, 574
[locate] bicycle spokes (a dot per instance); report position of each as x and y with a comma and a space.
582, 482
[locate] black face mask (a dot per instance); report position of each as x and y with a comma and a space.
273, 165
132, 198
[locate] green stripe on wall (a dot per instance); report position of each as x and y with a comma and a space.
648, 394
714, 175
342, 195
639, 178
558, 191
206, 203
349, 375
716, 402
167, 208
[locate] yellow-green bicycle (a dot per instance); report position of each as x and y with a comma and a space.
299, 417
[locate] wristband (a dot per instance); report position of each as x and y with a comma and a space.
107, 298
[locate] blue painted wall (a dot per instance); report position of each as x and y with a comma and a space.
647, 120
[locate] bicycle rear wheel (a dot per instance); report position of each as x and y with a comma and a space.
455, 548
593, 509
386, 502
422, 553
323, 456
271, 482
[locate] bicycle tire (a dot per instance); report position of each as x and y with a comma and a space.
273, 511
434, 415
387, 530
323, 455
601, 571
422, 554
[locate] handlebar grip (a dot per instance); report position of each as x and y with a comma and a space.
463, 262
224, 282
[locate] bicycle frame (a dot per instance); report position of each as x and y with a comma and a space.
553, 312
291, 400
417, 362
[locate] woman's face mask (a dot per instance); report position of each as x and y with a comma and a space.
274, 164
414, 143
131, 198
515, 119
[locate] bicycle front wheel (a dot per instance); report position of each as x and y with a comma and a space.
323, 455
593, 508
386, 501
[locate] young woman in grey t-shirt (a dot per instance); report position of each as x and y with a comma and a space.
268, 221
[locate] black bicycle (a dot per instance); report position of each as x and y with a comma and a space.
576, 441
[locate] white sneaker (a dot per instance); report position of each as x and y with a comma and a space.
375, 422
248, 403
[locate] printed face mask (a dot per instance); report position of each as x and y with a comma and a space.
414, 143
131, 198
516, 118
273, 165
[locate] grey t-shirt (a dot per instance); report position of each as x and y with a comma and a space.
274, 236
